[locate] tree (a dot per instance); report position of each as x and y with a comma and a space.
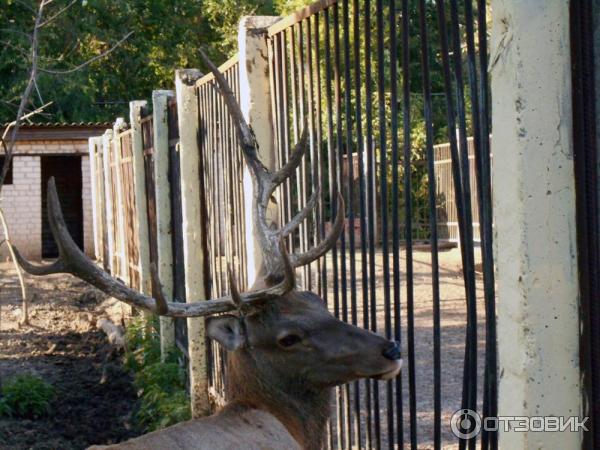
166, 35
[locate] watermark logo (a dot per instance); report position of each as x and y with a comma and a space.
467, 424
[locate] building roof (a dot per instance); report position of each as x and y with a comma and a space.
61, 131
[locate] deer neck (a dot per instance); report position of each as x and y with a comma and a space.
302, 409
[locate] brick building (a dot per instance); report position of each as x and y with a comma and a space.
43, 151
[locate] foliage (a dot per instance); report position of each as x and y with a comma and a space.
26, 396
160, 385
167, 35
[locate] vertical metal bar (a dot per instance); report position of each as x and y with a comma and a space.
490, 404
302, 172
314, 178
433, 226
340, 181
319, 152
350, 205
286, 131
371, 202
469, 263
408, 213
333, 186
397, 335
362, 203
383, 187
462, 188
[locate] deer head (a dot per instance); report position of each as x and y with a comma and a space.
286, 348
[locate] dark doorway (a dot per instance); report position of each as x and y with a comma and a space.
66, 170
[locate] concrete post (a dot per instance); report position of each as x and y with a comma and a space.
141, 202
108, 208
193, 254
141, 206
534, 215
255, 102
162, 192
121, 251
92, 143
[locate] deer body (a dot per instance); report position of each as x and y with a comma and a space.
286, 351
235, 427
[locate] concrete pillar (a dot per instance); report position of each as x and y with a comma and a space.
92, 143
255, 102
141, 205
121, 248
193, 253
108, 209
162, 192
534, 215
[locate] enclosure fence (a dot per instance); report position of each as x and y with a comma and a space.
361, 76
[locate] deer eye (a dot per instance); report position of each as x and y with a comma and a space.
289, 340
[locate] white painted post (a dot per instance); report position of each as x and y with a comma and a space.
193, 254
106, 150
120, 204
255, 102
141, 205
534, 214
162, 193
92, 143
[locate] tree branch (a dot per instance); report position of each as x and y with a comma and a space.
53, 17
89, 61
26, 93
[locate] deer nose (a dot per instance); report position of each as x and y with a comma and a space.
392, 352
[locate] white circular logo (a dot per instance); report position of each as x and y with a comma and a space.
465, 423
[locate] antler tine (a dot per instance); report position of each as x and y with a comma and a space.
303, 214
233, 288
247, 139
294, 160
327, 243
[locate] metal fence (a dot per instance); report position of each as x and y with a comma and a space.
340, 66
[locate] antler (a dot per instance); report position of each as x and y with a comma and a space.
265, 182
279, 267
72, 260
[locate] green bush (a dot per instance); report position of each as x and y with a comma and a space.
26, 396
160, 384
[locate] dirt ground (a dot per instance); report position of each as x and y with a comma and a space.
95, 397
64, 347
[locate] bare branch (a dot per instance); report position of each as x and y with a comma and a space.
24, 117
26, 93
89, 61
58, 13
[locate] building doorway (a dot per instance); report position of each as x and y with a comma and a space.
66, 170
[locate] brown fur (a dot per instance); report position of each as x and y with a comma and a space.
279, 394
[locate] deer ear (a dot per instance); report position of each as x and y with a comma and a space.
227, 331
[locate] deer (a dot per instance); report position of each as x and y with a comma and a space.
285, 350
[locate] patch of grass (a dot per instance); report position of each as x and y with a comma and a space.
26, 396
160, 384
